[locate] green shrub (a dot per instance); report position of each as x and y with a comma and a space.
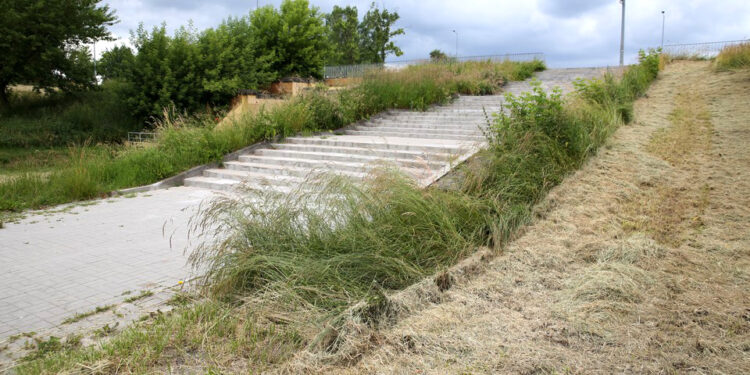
57, 119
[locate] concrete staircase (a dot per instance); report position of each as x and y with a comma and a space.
425, 145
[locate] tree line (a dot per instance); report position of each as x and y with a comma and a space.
189, 69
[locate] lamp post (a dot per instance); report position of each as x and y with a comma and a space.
96, 79
622, 35
456, 32
663, 19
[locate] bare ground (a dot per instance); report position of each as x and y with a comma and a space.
637, 263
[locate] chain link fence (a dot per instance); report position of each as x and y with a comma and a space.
348, 71
699, 50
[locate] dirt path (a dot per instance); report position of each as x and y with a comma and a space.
638, 263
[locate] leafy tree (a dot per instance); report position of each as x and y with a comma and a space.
116, 63
40, 42
293, 39
229, 61
150, 73
437, 55
343, 35
375, 33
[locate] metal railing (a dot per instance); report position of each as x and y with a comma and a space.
347, 71
138, 137
699, 50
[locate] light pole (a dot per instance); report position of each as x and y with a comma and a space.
663, 19
97, 80
622, 35
456, 32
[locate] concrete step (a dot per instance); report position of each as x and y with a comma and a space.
427, 125
406, 129
434, 117
377, 152
253, 178
288, 170
223, 184
418, 121
378, 133
376, 142
345, 157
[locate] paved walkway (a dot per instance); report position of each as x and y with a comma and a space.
54, 265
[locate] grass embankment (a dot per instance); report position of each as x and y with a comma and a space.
286, 274
183, 143
36, 121
734, 57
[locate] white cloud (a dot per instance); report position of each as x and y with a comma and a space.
570, 32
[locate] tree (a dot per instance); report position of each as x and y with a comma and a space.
437, 55
39, 40
229, 61
116, 63
375, 33
293, 39
343, 35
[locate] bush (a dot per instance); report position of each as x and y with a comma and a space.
58, 119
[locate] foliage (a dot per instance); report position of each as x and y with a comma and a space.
343, 36
376, 35
60, 119
437, 55
39, 47
186, 142
116, 63
291, 261
229, 61
734, 57
292, 38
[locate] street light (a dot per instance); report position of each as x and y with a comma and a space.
622, 35
96, 79
663, 19
456, 32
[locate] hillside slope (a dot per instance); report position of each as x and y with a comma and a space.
639, 262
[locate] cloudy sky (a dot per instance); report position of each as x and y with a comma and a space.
569, 32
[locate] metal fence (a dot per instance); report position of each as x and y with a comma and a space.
138, 137
347, 71
699, 50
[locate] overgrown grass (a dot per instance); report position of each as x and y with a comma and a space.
287, 266
734, 57
33, 120
184, 142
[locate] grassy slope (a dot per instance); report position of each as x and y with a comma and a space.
184, 143
637, 263
285, 276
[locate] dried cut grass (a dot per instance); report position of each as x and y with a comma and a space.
579, 294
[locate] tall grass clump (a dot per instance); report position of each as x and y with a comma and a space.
186, 141
734, 57
334, 241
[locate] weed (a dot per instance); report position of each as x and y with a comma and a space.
141, 295
179, 299
81, 316
734, 57
41, 348
106, 330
